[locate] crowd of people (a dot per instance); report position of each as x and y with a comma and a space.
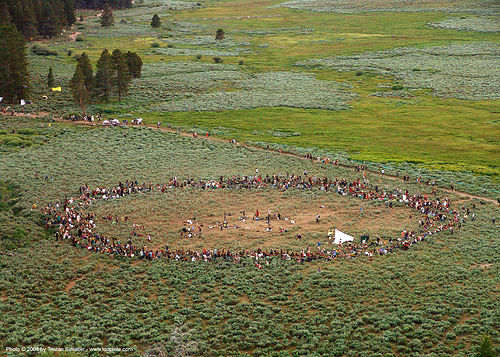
74, 224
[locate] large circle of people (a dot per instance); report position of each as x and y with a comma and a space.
79, 228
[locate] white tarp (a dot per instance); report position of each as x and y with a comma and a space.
341, 237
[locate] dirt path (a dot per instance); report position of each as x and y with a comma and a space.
225, 140
29, 115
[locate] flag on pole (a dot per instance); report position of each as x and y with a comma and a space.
56, 89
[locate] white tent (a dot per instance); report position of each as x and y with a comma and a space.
342, 237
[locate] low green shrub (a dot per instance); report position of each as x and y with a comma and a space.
42, 51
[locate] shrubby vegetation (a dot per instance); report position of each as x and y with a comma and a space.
357, 6
437, 298
170, 51
462, 71
271, 89
480, 24
42, 51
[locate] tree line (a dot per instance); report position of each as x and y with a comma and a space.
113, 75
36, 17
47, 18
14, 79
99, 4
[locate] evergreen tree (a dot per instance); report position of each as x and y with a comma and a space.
121, 77
99, 4
134, 64
219, 34
69, 12
155, 22
14, 79
24, 17
86, 67
50, 78
49, 24
107, 19
33, 17
486, 348
78, 90
102, 80
5, 17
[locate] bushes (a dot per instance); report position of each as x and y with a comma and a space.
14, 141
440, 68
217, 59
42, 51
230, 306
27, 131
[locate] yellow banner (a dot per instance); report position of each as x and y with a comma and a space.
56, 89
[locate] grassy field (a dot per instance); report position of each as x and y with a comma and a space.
439, 298
433, 132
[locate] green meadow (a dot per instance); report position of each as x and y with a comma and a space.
434, 132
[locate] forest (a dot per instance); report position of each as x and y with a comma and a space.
47, 18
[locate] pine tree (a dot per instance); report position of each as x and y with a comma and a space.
486, 349
86, 67
69, 12
121, 77
14, 82
107, 19
78, 90
50, 78
24, 17
98, 4
102, 80
134, 64
49, 24
219, 34
5, 17
155, 22
33, 17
